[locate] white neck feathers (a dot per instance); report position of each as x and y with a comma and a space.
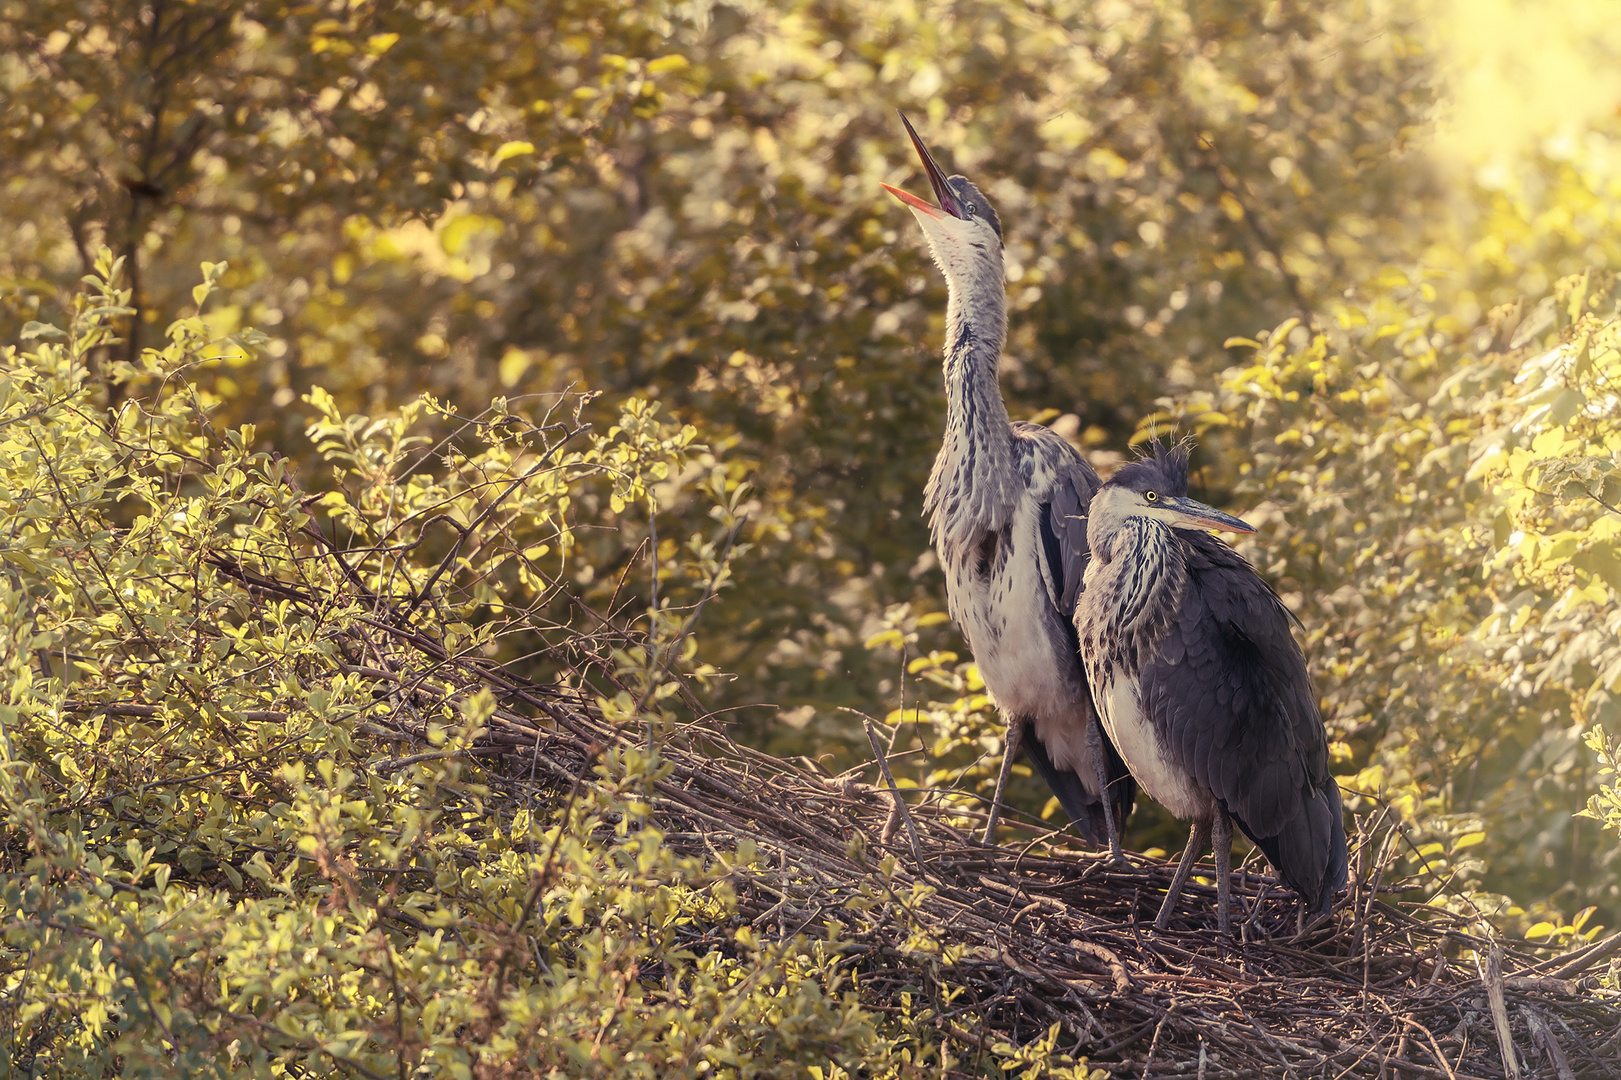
973, 487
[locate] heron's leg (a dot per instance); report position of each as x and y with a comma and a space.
1015, 736
1094, 746
1221, 838
1198, 836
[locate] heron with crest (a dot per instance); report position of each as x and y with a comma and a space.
1007, 504
1201, 685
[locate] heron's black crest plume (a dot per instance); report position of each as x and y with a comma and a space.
1163, 469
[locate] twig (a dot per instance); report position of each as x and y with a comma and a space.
710, 589
1493, 977
1572, 963
894, 791
1545, 1038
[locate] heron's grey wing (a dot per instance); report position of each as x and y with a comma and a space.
1064, 551
1230, 693
1063, 531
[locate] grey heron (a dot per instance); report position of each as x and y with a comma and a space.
1201, 685
1007, 515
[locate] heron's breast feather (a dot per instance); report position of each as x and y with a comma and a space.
1134, 736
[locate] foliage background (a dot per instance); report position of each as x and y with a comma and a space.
680, 202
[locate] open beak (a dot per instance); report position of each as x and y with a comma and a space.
1195, 514
937, 180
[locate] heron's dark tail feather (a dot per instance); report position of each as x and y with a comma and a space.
1336, 873
1309, 853
1084, 808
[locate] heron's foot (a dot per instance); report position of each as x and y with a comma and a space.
1105, 862
1307, 924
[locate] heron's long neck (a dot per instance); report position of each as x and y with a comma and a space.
1133, 588
974, 486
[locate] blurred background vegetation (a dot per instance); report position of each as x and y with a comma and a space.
1362, 248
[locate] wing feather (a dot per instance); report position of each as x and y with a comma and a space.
1064, 499
1237, 711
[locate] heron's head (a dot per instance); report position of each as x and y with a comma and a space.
1155, 487
964, 231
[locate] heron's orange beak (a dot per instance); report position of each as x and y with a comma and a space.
921, 205
937, 180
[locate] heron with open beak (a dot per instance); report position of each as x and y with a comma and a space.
1007, 504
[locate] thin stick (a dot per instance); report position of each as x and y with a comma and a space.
894, 790
1499, 1010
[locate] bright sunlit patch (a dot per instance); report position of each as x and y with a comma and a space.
1525, 75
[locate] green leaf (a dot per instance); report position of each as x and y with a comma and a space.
33, 330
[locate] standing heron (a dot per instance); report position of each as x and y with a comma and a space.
1007, 504
1201, 685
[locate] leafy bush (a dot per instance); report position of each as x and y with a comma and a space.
215, 863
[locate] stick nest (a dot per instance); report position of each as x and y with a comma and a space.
1040, 933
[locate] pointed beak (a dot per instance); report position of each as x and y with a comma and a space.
937, 180
1194, 514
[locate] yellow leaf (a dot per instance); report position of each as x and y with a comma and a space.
888, 637
511, 150
673, 62
514, 362
1392, 277
1541, 929
933, 618
1108, 162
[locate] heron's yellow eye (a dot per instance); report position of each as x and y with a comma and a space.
1151, 495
